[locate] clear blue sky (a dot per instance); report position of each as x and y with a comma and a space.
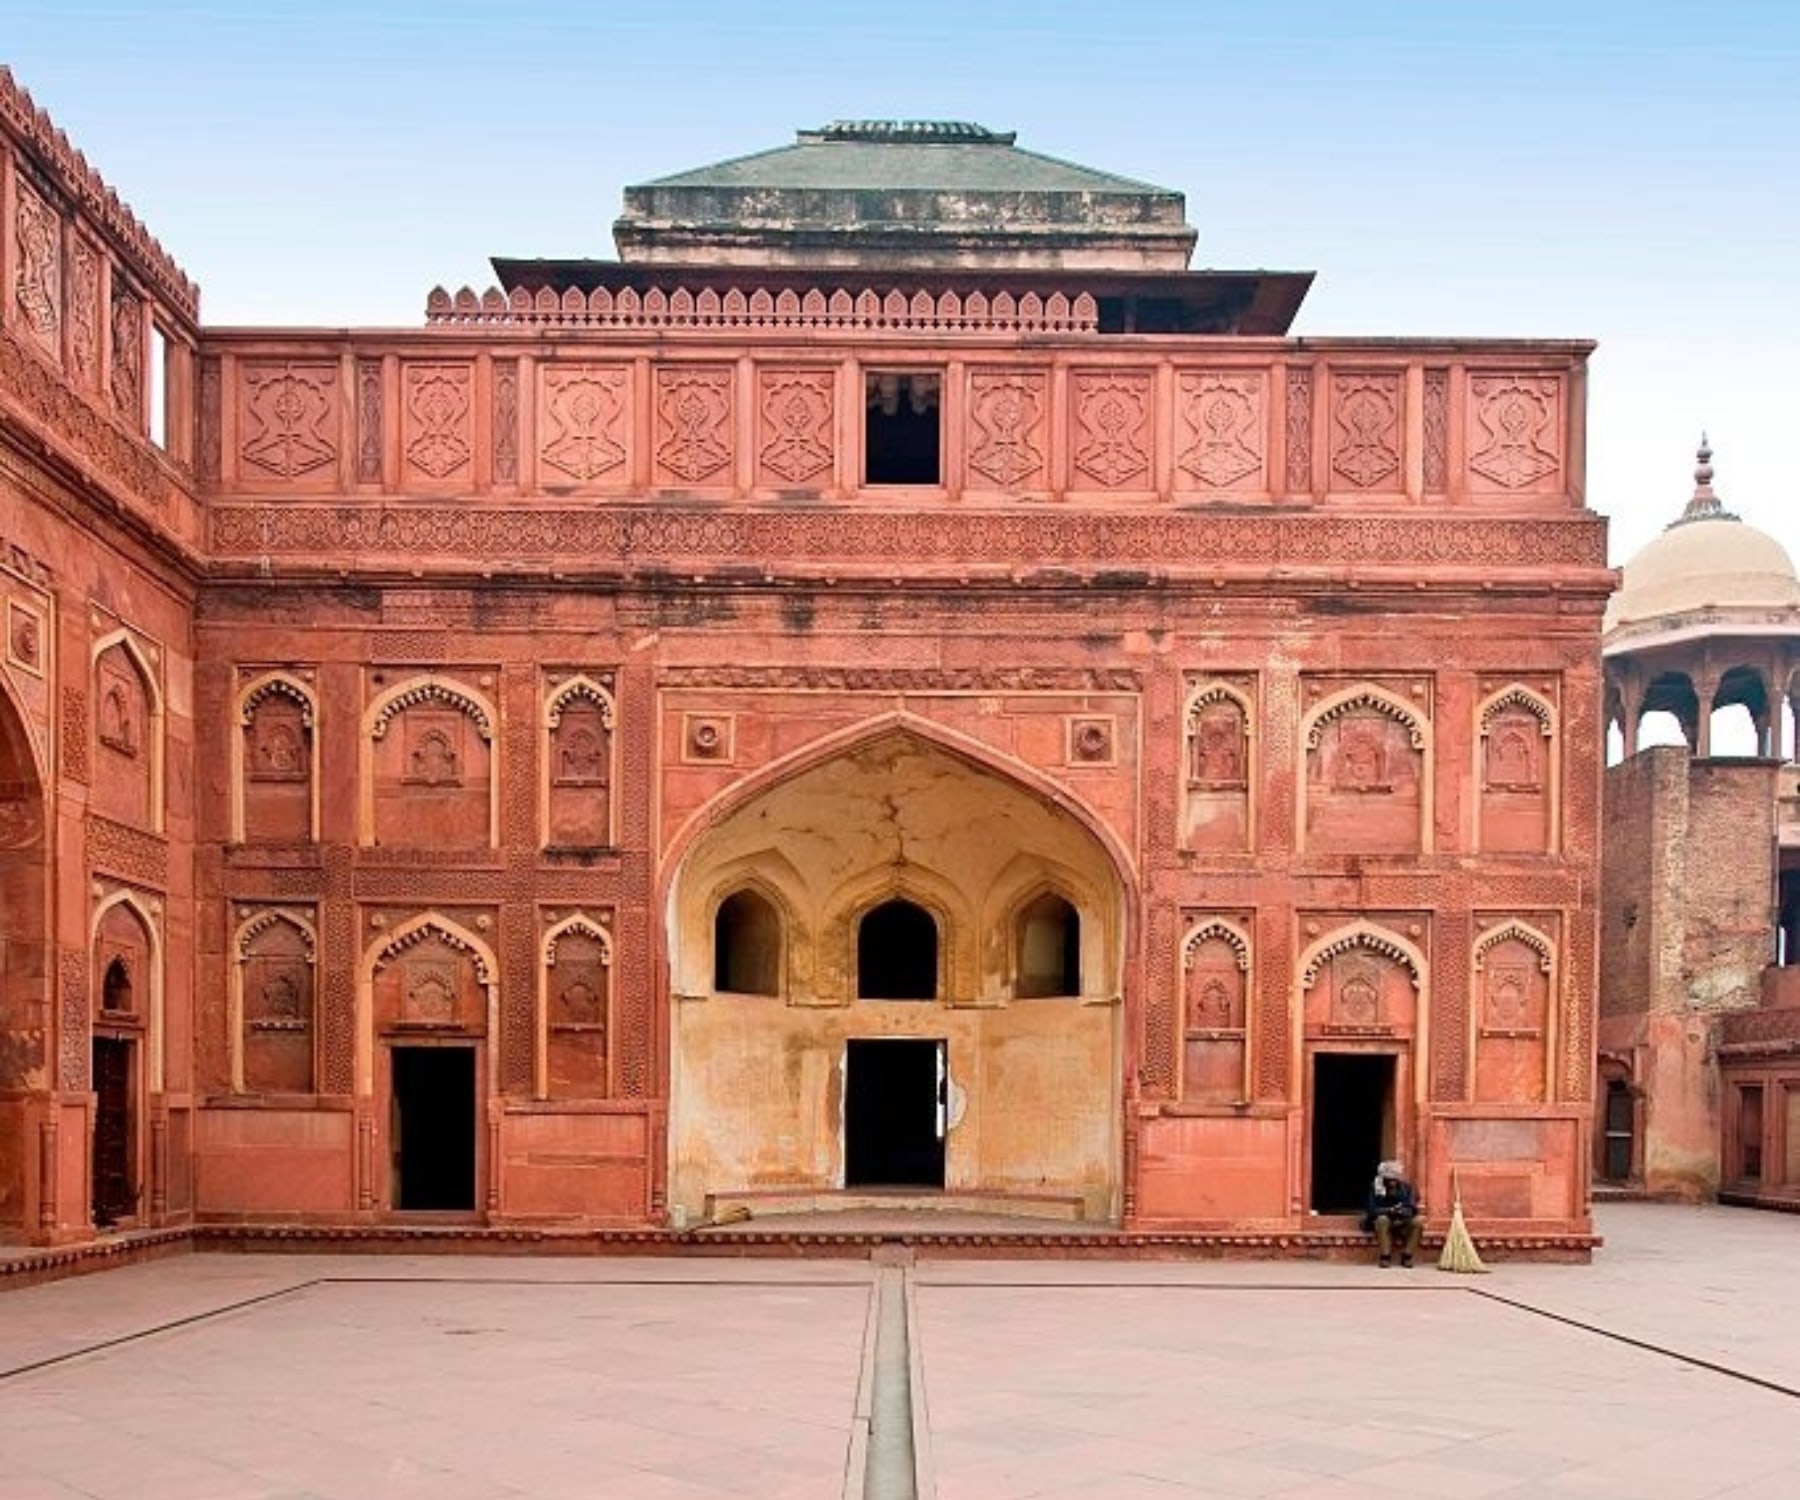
1626, 172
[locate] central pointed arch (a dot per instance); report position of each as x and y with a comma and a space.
902, 854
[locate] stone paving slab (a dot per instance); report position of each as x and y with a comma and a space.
322, 1377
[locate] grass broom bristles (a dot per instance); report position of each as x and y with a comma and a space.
1459, 1252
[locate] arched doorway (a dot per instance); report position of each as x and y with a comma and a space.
25, 1061
917, 1036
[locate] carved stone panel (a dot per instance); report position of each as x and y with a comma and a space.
796, 427
1436, 424
1111, 427
432, 777
695, 425
84, 313
1215, 965
436, 423
123, 727
506, 421
128, 355
1008, 410
580, 773
368, 421
1515, 433
38, 287
1366, 417
1299, 429
584, 424
1221, 440
277, 792
287, 423
431, 983
1361, 988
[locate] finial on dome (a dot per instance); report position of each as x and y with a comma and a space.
1705, 506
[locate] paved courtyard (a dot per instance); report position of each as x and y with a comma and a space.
1669, 1368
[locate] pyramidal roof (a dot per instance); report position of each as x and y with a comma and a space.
931, 192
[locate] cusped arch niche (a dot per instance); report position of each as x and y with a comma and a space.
430, 774
274, 762
128, 733
428, 975
1219, 721
1513, 965
1517, 772
1367, 787
576, 789
274, 1003
1215, 996
1365, 982
574, 1011
125, 938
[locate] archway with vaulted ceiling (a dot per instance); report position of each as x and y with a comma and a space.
26, 1063
829, 1081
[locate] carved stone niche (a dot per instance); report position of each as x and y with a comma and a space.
1517, 747
1364, 984
577, 989
579, 773
278, 1007
1513, 970
430, 983
1214, 979
124, 725
276, 725
1216, 765
431, 763
1365, 768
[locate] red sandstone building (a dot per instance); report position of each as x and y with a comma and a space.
895, 684
1700, 990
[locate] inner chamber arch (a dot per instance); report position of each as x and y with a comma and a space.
899, 818
26, 1063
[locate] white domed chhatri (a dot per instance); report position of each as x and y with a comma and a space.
1707, 560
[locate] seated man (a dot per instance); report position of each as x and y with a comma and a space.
1393, 1212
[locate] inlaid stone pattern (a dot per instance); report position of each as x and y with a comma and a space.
1113, 441
287, 423
436, 423
1007, 412
694, 425
583, 424
1514, 434
1222, 439
1366, 412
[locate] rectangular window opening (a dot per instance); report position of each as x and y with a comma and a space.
902, 433
158, 393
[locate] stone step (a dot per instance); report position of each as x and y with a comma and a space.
763, 1203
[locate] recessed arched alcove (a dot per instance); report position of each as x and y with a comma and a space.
25, 1060
914, 882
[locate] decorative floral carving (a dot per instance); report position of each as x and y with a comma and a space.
1223, 416
506, 421
72, 982
1006, 411
128, 354
797, 415
694, 417
584, 408
437, 411
84, 312
1217, 738
1112, 415
1365, 426
127, 852
286, 414
39, 288
1437, 430
427, 692
24, 637
707, 736
1299, 428
211, 434
1514, 440
75, 733
368, 421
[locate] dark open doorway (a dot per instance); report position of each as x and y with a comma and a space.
434, 1128
115, 1190
894, 1114
1352, 1127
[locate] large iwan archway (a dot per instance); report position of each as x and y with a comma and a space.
907, 1031
25, 1061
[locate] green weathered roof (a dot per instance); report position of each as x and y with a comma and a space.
916, 191
912, 155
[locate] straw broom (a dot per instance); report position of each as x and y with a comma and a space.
1459, 1249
